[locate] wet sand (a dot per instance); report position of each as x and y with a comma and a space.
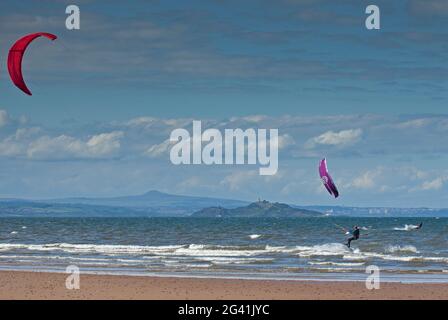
34, 285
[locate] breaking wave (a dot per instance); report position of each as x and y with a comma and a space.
203, 256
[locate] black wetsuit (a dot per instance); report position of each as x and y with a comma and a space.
355, 236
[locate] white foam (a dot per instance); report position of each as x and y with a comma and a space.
233, 260
332, 263
398, 248
224, 254
86, 248
216, 251
328, 249
254, 236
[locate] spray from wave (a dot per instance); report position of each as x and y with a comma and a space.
407, 227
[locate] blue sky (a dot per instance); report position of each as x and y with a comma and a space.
373, 102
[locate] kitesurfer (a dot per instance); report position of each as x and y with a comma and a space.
355, 235
419, 226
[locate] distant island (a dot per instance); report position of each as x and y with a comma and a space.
257, 209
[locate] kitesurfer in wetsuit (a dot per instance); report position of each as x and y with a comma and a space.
355, 235
419, 226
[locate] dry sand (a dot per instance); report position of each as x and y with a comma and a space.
34, 285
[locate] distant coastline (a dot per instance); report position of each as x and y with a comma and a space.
159, 204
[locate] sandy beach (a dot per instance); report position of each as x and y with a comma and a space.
33, 285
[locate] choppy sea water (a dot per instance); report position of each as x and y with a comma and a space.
293, 248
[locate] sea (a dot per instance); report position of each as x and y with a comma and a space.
241, 248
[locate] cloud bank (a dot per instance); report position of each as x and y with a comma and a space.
390, 160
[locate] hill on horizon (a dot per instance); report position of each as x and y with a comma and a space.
257, 209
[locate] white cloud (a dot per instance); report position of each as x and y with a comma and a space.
104, 144
58, 147
141, 121
157, 124
163, 148
435, 184
159, 150
341, 138
26, 133
237, 180
252, 118
414, 173
378, 170
414, 124
4, 118
146, 136
63, 146
10, 148
367, 180
285, 141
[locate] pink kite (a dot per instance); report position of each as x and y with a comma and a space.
326, 178
15, 57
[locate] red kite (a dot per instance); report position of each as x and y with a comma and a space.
15, 57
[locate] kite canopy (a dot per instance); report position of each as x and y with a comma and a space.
326, 178
15, 58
